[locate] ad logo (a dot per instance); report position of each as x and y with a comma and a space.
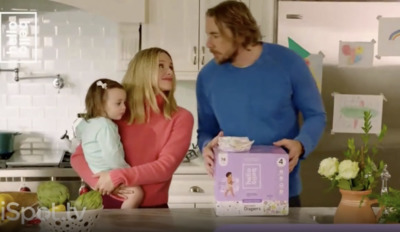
18, 40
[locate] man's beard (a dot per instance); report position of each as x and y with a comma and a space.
231, 57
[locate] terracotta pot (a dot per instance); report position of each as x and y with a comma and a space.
351, 211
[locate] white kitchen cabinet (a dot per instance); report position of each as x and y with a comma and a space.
122, 11
191, 187
179, 27
191, 191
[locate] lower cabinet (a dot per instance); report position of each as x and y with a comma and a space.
191, 191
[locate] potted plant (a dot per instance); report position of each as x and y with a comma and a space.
355, 176
390, 205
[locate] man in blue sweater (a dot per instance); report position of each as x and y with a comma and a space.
256, 90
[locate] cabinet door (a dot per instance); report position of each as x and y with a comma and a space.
173, 25
204, 54
264, 13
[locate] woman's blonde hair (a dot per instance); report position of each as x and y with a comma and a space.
141, 84
236, 16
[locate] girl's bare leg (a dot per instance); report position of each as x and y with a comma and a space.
133, 199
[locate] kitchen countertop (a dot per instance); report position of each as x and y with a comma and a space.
189, 219
206, 220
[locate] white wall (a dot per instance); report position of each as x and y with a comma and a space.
81, 47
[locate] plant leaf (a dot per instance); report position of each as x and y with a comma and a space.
344, 184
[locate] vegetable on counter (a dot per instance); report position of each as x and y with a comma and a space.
52, 193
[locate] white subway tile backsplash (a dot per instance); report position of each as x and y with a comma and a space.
21, 125
44, 124
91, 30
67, 100
48, 65
33, 67
25, 146
13, 88
19, 100
62, 53
67, 30
3, 123
49, 53
60, 42
81, 42
32, 140
2, 100
38, 52
74, 53
31, 88
56, 112
9, 112
47, 41
93, 54
31, 112
41, 145
51, 91
79, 46
79, 65
42, 101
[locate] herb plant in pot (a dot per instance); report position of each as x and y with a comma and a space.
390, 205
355, 176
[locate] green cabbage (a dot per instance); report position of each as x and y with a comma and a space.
52, 192
89, 200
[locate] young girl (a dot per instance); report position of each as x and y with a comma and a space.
105, 101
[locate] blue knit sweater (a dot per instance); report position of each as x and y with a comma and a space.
262, 102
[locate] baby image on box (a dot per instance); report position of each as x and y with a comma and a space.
229, 184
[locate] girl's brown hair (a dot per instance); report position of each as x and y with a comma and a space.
237, 17
141, 85
96, 95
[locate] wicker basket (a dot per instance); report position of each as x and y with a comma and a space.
25, 201
68, 221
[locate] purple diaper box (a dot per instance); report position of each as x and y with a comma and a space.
254, 182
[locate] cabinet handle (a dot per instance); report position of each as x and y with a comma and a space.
194, 55
203, 50
196, 189
294, 16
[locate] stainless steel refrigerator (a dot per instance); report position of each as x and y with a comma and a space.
319, 26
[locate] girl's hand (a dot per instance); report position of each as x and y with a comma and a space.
104, 185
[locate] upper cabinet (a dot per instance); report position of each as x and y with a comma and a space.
178, 26
123, 11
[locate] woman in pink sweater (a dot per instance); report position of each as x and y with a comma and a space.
155, 134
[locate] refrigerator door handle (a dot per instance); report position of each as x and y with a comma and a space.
294, 16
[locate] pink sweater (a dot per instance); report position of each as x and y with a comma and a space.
154, 150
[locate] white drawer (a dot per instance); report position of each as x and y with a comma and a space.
191, 189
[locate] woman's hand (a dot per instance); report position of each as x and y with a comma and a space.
123, 191
104, 185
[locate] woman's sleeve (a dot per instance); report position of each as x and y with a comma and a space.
169, 159
81, 167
